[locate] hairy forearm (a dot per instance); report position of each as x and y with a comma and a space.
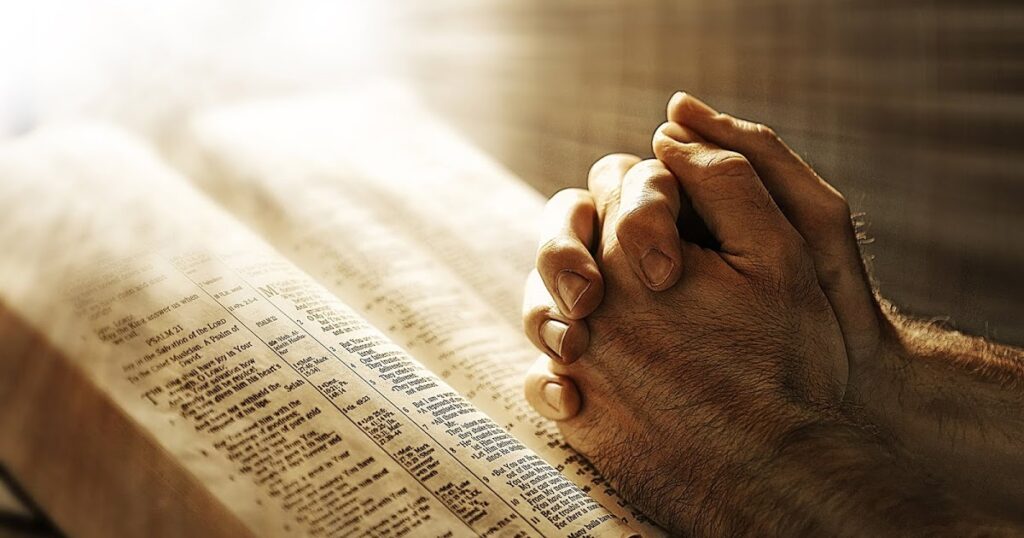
953, 404
836, 480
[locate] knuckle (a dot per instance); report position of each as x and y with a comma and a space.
668, 150
828, 219
570, 196
612, 161
652, 179
830, 270
759, 133
836, 210
650, 168
558, 250
629, 230
727, 165
635, 224
609, 201
766, 134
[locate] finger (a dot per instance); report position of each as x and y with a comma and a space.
691, 228
685, 134
554, 396
605, 182
818, 212
646, 228
563, 258
727, 195
561, 338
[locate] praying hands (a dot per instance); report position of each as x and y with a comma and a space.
714, 346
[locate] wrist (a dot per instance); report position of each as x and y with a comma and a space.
830, 478
951, 403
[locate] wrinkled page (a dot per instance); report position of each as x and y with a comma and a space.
416, 230
300, 417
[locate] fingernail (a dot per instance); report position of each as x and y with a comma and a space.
571, 286
552, 394
553, 332
656, 267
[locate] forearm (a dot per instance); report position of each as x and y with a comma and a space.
836, 480
955, 405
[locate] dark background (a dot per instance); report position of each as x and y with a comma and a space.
912, 109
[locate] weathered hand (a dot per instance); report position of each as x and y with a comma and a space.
743, 353
888, 357
647, 229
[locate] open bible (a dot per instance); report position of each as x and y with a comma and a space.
295, 318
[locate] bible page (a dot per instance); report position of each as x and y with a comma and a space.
297, 415
418, 231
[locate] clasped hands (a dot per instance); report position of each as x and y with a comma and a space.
713, 344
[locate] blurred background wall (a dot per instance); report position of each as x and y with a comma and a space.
913, 109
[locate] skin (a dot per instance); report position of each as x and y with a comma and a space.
720, 354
